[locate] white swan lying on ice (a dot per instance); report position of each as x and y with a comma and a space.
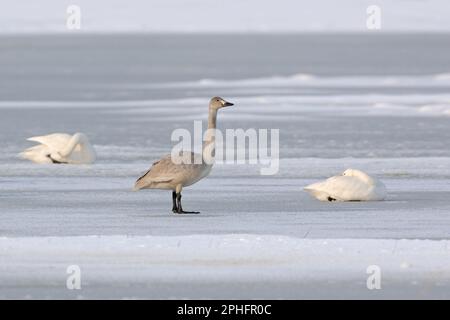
61, 148
352, 185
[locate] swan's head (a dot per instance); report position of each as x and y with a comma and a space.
351, 173
354, 173
360, 175
218, 102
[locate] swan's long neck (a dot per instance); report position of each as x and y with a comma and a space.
209, 145
73, 142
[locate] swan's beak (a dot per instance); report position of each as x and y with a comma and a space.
228, 104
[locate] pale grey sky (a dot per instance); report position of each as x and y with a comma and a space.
224, 16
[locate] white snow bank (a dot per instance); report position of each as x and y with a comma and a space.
114, 261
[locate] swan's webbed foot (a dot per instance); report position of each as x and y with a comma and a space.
181, 211
188, 212
331, 199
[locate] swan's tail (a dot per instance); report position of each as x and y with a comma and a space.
37, 154
139, 185
23, 155
312, 187
316, 191
140, 182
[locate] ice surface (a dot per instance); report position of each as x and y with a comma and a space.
257, 236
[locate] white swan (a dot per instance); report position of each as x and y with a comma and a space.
352, 185
174, 175
61, 148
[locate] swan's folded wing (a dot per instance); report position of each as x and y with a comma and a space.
55, 141
341, 188
327, 185
166, 171
351, 189
159, 172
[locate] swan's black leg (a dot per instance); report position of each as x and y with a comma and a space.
174, 201
180, 208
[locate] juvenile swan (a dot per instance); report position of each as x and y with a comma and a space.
352, 185
61, 148
174, 175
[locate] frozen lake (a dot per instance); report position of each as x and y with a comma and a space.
377, 103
